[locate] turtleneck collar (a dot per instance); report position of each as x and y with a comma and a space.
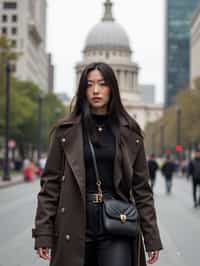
100, 118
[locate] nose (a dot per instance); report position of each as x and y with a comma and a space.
96, 88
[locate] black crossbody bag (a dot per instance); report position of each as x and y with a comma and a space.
119, 217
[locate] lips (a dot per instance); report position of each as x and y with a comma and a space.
95, 99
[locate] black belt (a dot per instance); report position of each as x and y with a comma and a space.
93, 197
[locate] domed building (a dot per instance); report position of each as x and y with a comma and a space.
108, 42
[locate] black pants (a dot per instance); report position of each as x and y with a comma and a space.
196, 184
152, 181
108, 252
168, 181
103, 249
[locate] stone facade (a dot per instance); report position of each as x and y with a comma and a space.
24, 23
195, 48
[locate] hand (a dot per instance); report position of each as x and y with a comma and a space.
153, 256
43, 253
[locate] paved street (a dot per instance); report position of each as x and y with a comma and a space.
179, 224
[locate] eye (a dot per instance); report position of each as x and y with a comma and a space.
89, 85
102, 83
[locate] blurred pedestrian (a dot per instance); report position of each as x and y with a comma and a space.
194, 171
153, 167
26, 162
29, 171
42, 161
168, 168
41, 164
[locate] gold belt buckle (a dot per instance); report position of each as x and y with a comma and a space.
98, 198
123, 218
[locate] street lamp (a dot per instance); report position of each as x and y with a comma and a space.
40, 103
178, 122
162, 138
6, 173
153, 149
178, 128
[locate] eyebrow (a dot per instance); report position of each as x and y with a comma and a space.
97, 80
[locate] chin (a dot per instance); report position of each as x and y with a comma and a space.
98, 105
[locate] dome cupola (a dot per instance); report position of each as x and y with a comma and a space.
107, 34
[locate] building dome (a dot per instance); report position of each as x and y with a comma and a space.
107, 34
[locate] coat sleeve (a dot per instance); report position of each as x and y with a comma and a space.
48, 196
145, 203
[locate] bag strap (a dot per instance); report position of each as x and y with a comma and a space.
94, 159
98, 183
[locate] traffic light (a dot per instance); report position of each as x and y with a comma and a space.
179, 148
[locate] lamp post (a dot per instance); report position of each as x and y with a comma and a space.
162, 139
178, 128
153, 149
40, 103
6, 172
6, 175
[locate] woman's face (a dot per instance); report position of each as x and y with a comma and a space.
98, 92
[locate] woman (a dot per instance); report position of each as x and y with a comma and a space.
68, 220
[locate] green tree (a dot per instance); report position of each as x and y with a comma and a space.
188, 100
6, 54
24, 106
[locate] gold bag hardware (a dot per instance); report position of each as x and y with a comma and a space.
123, 218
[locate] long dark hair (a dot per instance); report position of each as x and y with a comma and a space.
115, 106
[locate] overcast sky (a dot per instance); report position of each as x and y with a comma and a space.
69, 22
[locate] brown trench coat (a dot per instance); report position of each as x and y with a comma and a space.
61, 212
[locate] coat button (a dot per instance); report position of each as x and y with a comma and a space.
63, 178
62, 210
67, 237
63, 139
137, 141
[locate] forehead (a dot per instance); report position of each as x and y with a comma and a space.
95, 75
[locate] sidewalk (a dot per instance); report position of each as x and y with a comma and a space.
14, 180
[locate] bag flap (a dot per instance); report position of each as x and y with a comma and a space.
115, 208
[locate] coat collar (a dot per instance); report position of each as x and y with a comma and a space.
77, 120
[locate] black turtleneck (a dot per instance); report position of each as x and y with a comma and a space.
105, 152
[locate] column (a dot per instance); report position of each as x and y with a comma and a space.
125, 80
134, 89
136, 81
128, 80
122, 80
132, 80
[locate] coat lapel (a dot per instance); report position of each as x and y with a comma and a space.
73, 148
124, 157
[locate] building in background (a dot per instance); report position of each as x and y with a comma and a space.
147, 93
108, 42
24, 23
50, 74
195, 48
177, 58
